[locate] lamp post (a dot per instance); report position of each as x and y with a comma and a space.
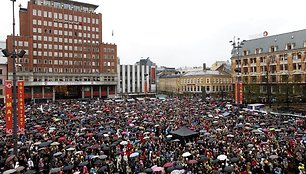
268, 83
237, 44
14, 105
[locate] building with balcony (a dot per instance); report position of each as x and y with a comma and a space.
273, 65
65, 56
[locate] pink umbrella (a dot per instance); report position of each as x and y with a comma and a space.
157, 169
168, 164
192, 161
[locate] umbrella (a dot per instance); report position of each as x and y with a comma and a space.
234, 160
123, 143
98, 162
157, 169
134, 154
186, 154
55, 170
168, 164
192, 161
102, 169
178, 167
57, 154
10, 158
30, 172
250, 145
176, 172
273, 156
70, 149
228, 169
44, 144
102, 157
55, 144
68, 168
222, 157
9, 171
83, 164
148, 170
170, 169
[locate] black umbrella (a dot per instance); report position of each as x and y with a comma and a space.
83, 164
68, 168
228, 169
102, 169
178, 167
148, 170
44, 144
170, 169
234, 159
98, 162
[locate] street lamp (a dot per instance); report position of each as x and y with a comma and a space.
14, 55
237, 44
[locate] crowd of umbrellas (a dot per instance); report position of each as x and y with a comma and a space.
172, 136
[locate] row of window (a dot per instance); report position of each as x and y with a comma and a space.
70, 62
274, 48
201, 80
66, 17
69, 70
66, 40
60, 5
59, 25
66, 55
207, 88
65, 47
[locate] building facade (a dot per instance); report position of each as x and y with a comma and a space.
3, 73
274, 65
65, 56
138, 79
194, 82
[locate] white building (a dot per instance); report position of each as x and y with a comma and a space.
138, 79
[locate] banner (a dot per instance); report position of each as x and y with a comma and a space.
240, 93
21, 117
8, 107
236, 92
153, 75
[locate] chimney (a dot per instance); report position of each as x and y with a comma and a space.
204, 66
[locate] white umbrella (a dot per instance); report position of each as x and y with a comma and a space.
186, 154
169, 136
222, 157
55, 144
123, 143
70, 149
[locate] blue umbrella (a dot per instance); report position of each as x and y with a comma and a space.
134, 154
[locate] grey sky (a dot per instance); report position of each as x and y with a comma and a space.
179, 33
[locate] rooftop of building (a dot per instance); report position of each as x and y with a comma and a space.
203, 73
280, 41
70, 2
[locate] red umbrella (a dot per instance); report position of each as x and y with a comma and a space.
168, 164
61, 139
89, 134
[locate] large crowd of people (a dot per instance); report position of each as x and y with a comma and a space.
131, 137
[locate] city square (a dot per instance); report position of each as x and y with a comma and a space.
150, 100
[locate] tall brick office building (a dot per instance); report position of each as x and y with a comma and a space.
65, 57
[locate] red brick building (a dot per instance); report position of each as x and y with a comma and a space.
65, 57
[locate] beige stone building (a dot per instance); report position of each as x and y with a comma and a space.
213, 82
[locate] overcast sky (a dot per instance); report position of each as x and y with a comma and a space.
178, 33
